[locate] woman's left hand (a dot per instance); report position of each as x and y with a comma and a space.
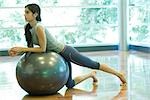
17, 49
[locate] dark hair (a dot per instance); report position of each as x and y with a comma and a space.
28, 35
34, 8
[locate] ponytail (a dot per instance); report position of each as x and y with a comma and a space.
28, 35
38, 18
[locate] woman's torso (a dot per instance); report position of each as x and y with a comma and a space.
52, 43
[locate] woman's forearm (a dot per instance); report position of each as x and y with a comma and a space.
35, 49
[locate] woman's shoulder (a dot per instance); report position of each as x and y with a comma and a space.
39, 25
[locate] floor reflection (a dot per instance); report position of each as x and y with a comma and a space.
139, 77
51, 97
70, 94
135, 65
122, 95
78, 94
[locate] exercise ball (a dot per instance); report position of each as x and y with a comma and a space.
42, 73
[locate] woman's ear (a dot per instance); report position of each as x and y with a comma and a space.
35, 15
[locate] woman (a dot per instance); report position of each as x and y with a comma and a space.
37, 34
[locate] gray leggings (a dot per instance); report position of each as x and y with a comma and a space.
70, 54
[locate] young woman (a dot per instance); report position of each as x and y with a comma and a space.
37, 34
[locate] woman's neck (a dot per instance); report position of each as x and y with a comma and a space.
33, 23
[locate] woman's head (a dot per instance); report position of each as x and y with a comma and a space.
32, 11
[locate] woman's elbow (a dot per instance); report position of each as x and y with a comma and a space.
43, 49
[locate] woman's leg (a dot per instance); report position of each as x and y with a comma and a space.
106, 68
71, 54
92, 75
72, 82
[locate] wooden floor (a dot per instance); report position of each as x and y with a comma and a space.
135, 65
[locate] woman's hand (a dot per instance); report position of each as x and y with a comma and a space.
15, 51
12, 53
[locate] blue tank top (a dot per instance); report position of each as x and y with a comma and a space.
52, 43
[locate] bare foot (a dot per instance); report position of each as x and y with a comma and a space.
93, 75
124, 86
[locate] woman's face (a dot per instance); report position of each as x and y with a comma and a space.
29, 16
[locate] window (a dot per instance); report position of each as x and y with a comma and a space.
75, 22
139, 22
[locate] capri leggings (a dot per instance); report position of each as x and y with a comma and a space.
70, 54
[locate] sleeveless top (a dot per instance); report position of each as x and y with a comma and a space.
52, 43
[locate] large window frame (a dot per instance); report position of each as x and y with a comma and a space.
123, 10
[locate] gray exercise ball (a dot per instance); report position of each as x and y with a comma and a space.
42, 73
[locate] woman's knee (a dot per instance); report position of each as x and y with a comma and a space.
70, 84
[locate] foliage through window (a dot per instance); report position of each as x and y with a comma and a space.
139, 22
75, 22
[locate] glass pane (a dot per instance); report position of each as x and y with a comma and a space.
85, 2
75, 16
140, 34
12, 18
85, 36
77, 36
139, 2
61, 16
11, 37
79, 24
139, 25
22, 3
138, 15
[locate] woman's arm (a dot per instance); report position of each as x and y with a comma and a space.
42, 42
